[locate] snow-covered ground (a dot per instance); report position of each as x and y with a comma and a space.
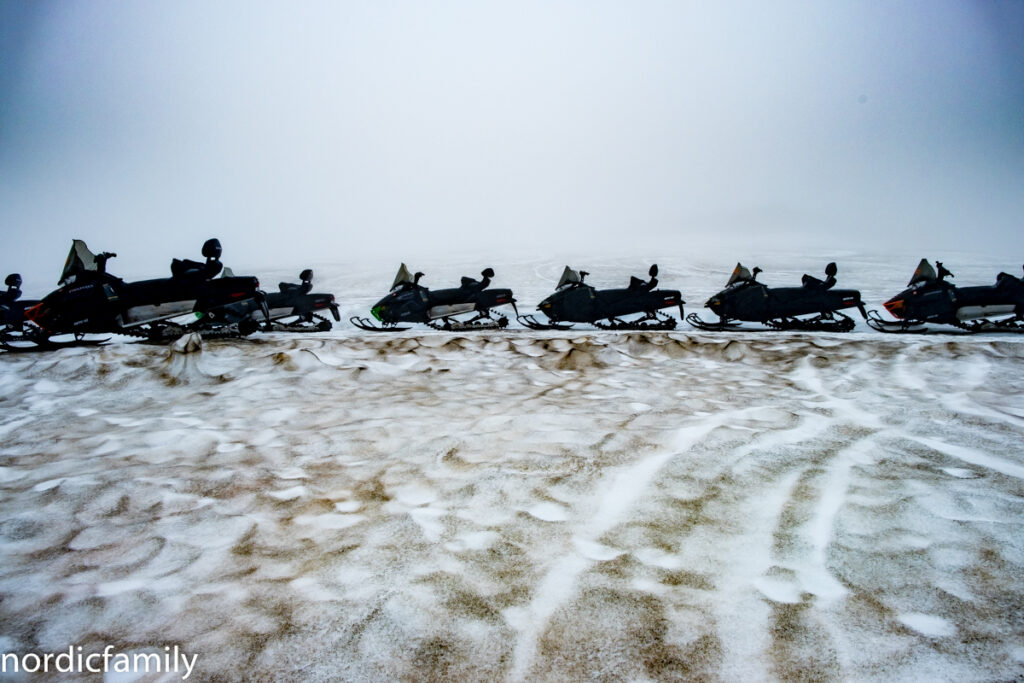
526, 506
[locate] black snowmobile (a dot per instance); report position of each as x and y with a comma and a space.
744, 299
930, 300
293, 308
411, 302
12, 309
575, 301
90, 300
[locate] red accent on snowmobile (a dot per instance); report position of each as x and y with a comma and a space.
895, 307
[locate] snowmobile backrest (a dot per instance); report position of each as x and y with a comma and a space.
13, 281
212, 249
306, 275
570, 278
924, 273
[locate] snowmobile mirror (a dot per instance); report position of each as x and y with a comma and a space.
416, 278
212, 249
583, 274
755, 272
487, 272
831, 269
306, 275
13, 281
653, 272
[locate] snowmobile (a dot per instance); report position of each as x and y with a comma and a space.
931, 300
291, 301
89, 300
12, 309
575, 301
744, 299
411, 302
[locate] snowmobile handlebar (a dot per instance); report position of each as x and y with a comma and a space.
101, 260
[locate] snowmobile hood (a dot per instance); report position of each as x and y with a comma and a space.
569, 277
80, 260
739, 274
402, 277
925, 273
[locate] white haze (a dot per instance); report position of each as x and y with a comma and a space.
341, 131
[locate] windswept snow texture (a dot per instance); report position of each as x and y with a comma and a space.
522, 506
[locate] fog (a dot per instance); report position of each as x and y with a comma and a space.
337, 131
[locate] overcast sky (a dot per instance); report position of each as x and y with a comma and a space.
303, 131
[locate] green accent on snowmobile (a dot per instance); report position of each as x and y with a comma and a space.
376, 313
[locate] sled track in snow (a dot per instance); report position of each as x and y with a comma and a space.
523, 506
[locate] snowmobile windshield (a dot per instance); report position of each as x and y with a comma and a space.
80, 260
924, 274
740, 274
569, 278
404, 277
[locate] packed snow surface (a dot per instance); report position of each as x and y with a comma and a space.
523, 506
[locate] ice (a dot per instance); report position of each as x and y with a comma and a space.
527, 506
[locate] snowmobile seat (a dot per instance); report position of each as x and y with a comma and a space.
304, 288
1007, 280
184, 268
811, 282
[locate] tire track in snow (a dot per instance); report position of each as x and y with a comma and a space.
614, 501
